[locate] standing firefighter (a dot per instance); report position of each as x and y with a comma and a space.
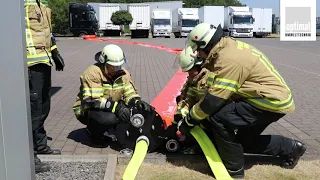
106, 93
41, 51
244, 93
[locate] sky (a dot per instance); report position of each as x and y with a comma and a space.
274, 4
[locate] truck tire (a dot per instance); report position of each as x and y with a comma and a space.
81, 34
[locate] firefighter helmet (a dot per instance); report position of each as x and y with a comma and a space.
111, 54
188, 59
202, 34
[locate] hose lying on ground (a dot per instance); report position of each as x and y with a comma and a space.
139, 154
212, 156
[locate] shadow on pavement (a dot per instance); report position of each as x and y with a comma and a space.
82, 136
54, 90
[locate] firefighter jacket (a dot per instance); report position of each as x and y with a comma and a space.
239, 71
96, 85
38, 33
192, 90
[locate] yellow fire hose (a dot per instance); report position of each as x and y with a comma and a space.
212, 156
139, 154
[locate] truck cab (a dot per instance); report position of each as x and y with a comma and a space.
161, 23
238, 22
185, 20
83, 19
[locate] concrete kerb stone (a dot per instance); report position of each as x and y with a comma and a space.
110, 159
113, 160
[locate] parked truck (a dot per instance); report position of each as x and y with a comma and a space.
262, 25
82, 19
161, 23
183, 21
238, 21
212, 14
140, 25
105, 23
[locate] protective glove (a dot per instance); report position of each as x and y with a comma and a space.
122, 112
103, 104
142, 105
186, 124
58, 60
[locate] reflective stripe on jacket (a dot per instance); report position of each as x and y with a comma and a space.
242, 72
38, 33
95, 85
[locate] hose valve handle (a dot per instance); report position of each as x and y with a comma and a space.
137, 120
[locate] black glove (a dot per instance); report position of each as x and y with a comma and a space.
186, 124
104, 104
122, 112
58, 60
142, 105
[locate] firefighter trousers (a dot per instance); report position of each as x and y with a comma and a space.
39, 87
238, 127
98, 122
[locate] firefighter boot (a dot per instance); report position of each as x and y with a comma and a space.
232, 156
40, 167
290, 161
48, 150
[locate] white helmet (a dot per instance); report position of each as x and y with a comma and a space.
111, 54
202, 34
188, 59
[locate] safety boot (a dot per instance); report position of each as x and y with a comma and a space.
239, 174
40, 167
49, 151
290, 161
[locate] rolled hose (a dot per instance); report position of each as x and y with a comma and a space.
139, 154
212, 156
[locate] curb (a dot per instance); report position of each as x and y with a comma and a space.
74, 158
112, 164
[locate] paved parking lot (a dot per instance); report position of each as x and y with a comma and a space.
151, 69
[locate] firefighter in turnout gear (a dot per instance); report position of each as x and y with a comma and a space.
240, 94
106, 94
39, 50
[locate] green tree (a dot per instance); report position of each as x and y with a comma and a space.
121, 17
60, 20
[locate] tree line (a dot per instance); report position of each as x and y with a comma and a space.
60, 9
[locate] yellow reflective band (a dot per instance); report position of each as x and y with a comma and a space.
118, 86
269, 66
128, 89
130, 97
114, 107
197, 114
227, 84
189, 124
241, 45
79, 109
210, 79
191, 92
93, 92
53, 47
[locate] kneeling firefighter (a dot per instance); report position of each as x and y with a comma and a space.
243, 94
106, 94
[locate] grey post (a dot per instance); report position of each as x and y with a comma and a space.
16, 148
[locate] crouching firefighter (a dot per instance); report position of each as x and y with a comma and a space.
244, 93
106, 94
